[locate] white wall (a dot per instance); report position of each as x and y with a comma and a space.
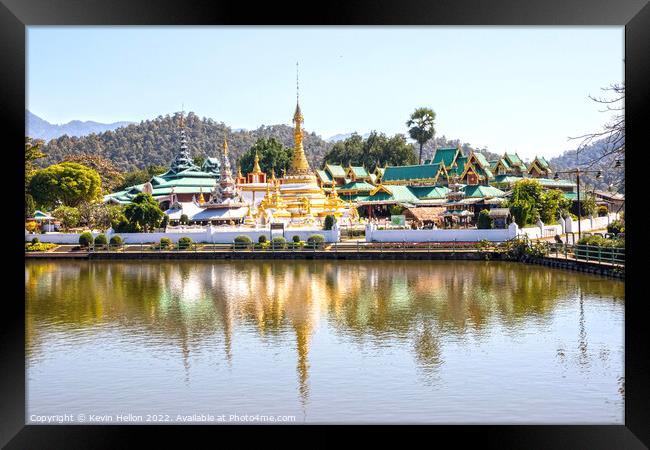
208, 235
595, 223
440, 235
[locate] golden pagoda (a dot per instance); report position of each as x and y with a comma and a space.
298, 192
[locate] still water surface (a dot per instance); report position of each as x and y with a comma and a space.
326, 342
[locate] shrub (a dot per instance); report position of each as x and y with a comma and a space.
296, 239
278, 242
184, 219
316, 241
165, 221
262, 245
35, 241
330, 220
116, 241
86, 239
242, 241
165, 243
396, 210
184, 242
39, 247
32, 227
616, 227
602, 211
262, 239
485, 222
101, 239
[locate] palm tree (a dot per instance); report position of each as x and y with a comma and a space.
421, 126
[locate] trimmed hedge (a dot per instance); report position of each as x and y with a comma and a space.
242, 242
184, 243
35, 240
316, 241
296, 239
116, 241
86, 239
278, 242
262, 239
101, 239
165, 243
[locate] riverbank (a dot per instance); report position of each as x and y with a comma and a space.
602, 269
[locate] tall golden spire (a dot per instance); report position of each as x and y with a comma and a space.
256, 166
225, 147
299, 165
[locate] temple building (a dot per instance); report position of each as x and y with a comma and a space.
254, 185
297, 197
183, 182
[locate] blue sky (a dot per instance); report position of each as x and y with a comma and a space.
519, 89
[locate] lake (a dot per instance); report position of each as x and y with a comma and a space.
441, 342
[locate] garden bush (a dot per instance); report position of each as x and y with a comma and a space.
296, 239
316, 241
602, 211
262, 239
35, 240
485, 222
616, 227
184, 243
184, 220
330, 220
39, 247
86, 239
101, 240
278, 242
242, 241
116, 241
165, 243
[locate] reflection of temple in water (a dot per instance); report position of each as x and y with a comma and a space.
185, 304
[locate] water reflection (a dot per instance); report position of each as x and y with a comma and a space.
184, 304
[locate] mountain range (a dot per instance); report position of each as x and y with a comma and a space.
38, 128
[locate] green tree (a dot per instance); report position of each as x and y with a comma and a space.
68, 216
421, 126
587, 206
525, 201
66, 183
32, 153
110, 175
133, 178
99, 215
330, 220
552, 203
376, 149
272, 155
30, 207
144, 212
485, 222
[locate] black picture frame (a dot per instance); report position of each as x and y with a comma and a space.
15, 15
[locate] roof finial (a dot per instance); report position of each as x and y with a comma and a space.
297, 85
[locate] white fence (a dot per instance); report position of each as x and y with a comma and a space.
568, 225
215, 235
440, 235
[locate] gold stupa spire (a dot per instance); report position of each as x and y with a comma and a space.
239, 175
299, 164
256, 166
225, 147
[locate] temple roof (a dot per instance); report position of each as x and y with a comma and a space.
414, 172
335, 170
356, 185
481, 191
429, 192
324, 176
445, 155
359, 171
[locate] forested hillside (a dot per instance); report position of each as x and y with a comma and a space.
156, 142
590, 157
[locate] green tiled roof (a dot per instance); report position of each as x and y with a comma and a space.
359, 171
429, 192
357, 185
460, 166
335, 171
415, 172
549, 182
514, 159
445, 155
480, 191
482, 160
402, 194
507, 179
324, 176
